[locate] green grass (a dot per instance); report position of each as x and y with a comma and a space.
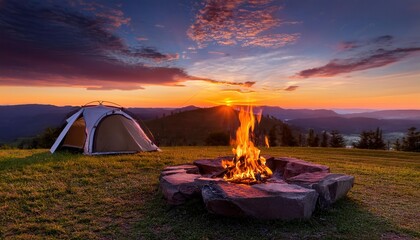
116, 197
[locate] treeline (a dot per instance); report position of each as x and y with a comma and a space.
374, 140
285, 137
282, 135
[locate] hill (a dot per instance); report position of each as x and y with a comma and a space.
193, 127
287, 114
23, 121
355, 125
387, 114
29, 120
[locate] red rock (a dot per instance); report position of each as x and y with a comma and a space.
262, 201
329, 186
178, 188
291, 167
210, 166
190, 168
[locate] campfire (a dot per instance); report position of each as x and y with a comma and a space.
250, 185
247, 166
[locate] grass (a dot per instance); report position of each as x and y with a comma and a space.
44, 196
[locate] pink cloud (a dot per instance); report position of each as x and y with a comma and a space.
240, 22
378, 58
291, 88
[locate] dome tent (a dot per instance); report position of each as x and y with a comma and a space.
103, 129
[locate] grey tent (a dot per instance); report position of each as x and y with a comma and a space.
103, 130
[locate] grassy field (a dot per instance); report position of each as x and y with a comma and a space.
117, 197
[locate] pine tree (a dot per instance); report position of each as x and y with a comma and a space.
324, 141
311, 137
336, 140
411, 142
371, 140
397, 145
287, 138
272, 136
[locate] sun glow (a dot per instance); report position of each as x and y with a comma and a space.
228, 102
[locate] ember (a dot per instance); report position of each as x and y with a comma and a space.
247, 165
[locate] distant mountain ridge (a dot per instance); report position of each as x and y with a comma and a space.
387, 114
355, 125
19, 121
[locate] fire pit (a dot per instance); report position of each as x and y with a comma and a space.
250, 184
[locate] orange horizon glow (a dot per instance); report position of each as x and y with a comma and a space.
172, 98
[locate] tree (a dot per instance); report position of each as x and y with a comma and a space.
397, 145
324, 141
337, 139
272, 136
217, 139
371, 140
313, 139
287, 138
411, 142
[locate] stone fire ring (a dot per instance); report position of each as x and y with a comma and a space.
294, 191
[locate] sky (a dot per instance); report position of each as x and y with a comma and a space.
332, 54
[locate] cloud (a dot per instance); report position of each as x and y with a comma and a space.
348, 45
52, 45
238, 90
219, 53
142, 39
159, 26
369, 53
291, 88
239, 22
247, 84
378, 58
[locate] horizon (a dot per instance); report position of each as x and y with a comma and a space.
346, 56
337, 110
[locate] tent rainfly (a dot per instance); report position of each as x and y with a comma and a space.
103, 129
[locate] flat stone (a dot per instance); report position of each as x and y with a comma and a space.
295, 167
190, 168
170, 172
211, 166
203, 181
262, 201
330, 187
179, 187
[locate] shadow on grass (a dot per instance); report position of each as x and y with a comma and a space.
347, 219
16, 163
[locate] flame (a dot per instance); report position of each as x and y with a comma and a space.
247, 165
267, 144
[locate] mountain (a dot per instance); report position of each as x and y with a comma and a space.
20, 121
387, 114
355, 125
287, 114
193, 127
153, 113
29, 120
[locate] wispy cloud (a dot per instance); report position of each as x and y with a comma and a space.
239, 22
373, 53
247, 84
142, 39
376, 59
291, 88
238, 90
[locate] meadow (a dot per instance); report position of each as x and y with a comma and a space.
72, 196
